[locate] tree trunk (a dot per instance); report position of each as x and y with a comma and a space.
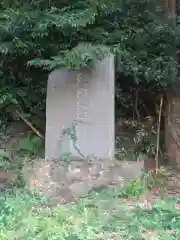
172, 112
172, 127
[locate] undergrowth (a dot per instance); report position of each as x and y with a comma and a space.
102, 215
26, 148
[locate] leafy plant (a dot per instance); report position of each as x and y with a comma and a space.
146, 142
132, 189
30, 144
75, 34
101, 215
66, 157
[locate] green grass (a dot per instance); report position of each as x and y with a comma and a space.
102, 215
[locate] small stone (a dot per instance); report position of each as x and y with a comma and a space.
63, 195
76, 170
101, 173
95, 170
76, 164
80, 188
74, 175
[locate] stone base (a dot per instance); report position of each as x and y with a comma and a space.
66, 182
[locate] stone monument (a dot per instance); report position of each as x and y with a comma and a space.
86, 98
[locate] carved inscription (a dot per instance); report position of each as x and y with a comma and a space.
82, 98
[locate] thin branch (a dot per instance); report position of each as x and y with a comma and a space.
143, 106
136, 105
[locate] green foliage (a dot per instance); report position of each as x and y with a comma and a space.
137, 187
66, 157
53, 33
25, 149
100, 216
39, 36
143, 184
30, 145
145, 142
132, 189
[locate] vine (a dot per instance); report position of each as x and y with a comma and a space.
71, 132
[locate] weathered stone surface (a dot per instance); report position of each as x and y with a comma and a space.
87, 98
66, 182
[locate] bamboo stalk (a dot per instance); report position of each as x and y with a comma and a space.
158, 134
30, 125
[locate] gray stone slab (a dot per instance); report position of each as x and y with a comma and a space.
87, 98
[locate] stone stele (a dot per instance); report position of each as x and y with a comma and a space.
86, 98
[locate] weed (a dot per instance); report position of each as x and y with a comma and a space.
132, 189
145, 183
27, 147
66, 157
99, 216
31, 145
